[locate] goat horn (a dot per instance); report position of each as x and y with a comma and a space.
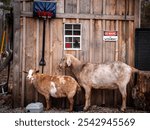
24, 71
37, 71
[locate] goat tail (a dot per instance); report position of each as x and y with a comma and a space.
135, 70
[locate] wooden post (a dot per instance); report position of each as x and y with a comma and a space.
103, 46
116, 59
91, 31
23, 58
16, 55
137, 13
37, 53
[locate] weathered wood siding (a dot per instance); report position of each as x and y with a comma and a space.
95, 17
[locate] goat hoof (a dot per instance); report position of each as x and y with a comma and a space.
85, 109
123, 109
46, 109
69, 110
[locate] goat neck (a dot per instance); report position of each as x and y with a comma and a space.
38, 78
76, 66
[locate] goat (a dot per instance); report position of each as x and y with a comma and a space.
99, 76
55, 86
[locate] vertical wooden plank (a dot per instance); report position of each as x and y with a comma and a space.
84, 55
78, 6
116, 59
120, 7
131, 7
77, 21
122, 44
70, 6
51, 49
60, 6
97, 57
91, 33
110, 7
109, 55
97, 6
95, 48
47, 47
16, 55
137, 13
30, 56
130, 58
57, 52
37, 52
23, 57
113, 45
108, 51
29, 6
57, 44
103, 46
117, 45
21, 62
131, 44
98, 41
40, 41
74, 6
85, 6
37, 43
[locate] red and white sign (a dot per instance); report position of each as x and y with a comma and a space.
110, 36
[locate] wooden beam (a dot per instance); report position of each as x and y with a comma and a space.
84, 16
16, 55
32, 0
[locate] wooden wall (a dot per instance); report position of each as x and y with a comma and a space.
95, 16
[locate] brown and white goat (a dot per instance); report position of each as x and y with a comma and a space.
55, 86
99, 76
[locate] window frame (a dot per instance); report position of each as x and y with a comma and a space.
72, 36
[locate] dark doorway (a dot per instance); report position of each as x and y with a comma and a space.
142, 48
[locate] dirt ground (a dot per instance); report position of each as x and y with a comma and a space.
6, 108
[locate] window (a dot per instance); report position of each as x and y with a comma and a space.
72, 36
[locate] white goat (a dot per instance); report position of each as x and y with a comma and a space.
55, 86
99, 76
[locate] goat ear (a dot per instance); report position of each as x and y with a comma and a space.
37, 71
25, 71
68, 61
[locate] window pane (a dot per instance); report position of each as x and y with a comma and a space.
68, 39
76, 42
68, 32
76, 26
68, 26
76, 32
76, 39
68, 45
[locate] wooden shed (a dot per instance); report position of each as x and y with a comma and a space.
89, 19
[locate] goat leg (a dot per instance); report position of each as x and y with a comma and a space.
71, 101
87, 98
47, 103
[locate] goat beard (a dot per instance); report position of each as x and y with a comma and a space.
31, 80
